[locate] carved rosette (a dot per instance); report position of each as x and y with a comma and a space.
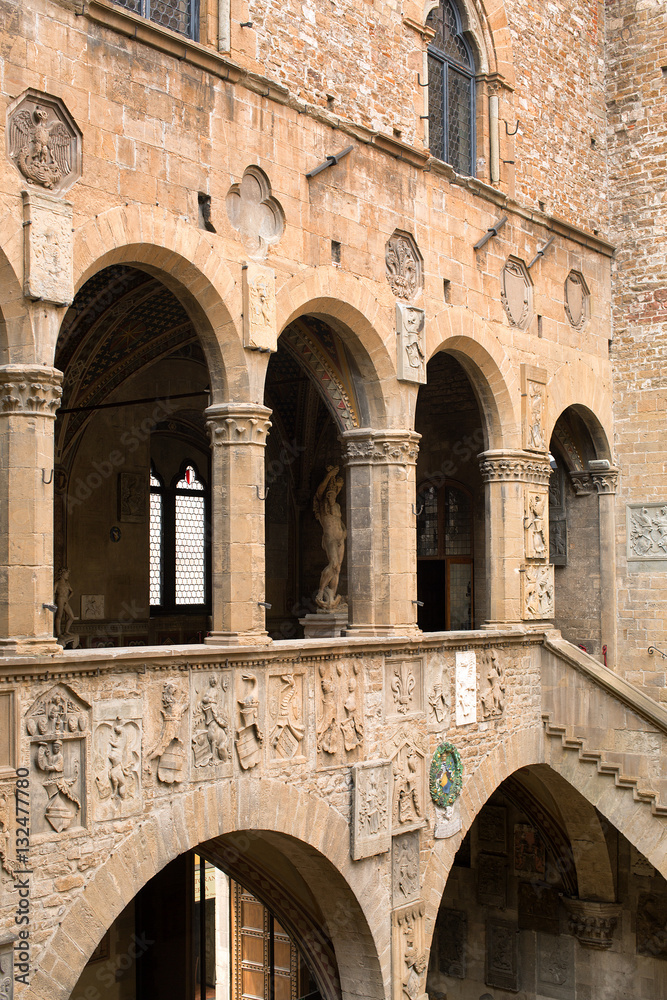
514, 466
370, 447
234, 424
31, 390
593, 923
404, 264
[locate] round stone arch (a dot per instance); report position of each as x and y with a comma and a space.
529, 747
185, 261
576, 385
488, 33
493, 379
189, 820
17, 342
364, 319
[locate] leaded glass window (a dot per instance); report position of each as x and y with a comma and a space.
451, 78
155, 541
178, 542
190, 513
179, 15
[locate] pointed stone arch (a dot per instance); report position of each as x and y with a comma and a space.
186, 261
359, 933
487, 30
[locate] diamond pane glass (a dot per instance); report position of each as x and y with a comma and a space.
190, 549
427, 522
459, 125
460, 595
155, 546
174, 14
436, 107
458, 536
448, 40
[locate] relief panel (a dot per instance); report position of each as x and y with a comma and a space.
287, 721
371, 804
410, 347
533, 401
492, 684
438, 694
165, 755
408, 952
502, 966
555, 966
211, 740
407, 750
537, 584
403, 687
339, 700
405, 868
117, 758
466, 687
646, 531
259, 308
249, 735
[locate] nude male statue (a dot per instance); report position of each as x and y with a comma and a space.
328, 513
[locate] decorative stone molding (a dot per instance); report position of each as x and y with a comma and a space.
592, 922
577, 299
237, 423
47, 248
338, 391
44, 141
514, 466
254, 213
410, 348
516, 293
366, 447
259, 308
32, 390
404, 263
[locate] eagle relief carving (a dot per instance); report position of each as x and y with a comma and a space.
44, 142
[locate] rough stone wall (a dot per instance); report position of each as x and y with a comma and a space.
637, 135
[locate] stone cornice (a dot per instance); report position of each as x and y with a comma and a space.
238, 423
33, 390
514, 466
365, 446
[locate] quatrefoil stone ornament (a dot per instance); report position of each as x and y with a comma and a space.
254, 213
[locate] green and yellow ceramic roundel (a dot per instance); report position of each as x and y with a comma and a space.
446, 775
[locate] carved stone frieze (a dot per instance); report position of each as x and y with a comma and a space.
555, 966
536, 545
366, 447
211, 739
408, 952
254, 213
593, 923
407, 749
370, 830
405, 868
466, 687
235, 424
340, 729
410, 347
577, 299
516, 293
286, 699
403, 686
404, 265
514, 466
259, 308
537, 592
47, 248
249, 736
30, 389
502, 963
117, 737
43, 141
492, 684
169, 748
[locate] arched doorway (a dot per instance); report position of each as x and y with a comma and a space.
132, 466
450, 500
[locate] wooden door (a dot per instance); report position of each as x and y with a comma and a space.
265, 961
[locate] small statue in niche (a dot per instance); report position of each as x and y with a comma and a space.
64, 614
327, 511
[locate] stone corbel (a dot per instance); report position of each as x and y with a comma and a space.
592, 923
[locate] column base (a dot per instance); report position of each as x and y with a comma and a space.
30, 645
238, 639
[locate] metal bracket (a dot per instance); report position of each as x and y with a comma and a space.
47, 482
419, 81
416, 512
491, 231
329, 162
266, 493
541, 253
516, 127
654, 649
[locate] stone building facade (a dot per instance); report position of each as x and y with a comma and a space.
332, 505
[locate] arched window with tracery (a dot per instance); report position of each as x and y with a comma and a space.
451, 90
178, 541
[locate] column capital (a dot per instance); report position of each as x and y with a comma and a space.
32, 390
586, 481
366, 446
513, 466
238, 423
605, 481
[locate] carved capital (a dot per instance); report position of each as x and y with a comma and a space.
582, 482
371, 447
238, 423
593, 923
514, 466
30, 389
605, 482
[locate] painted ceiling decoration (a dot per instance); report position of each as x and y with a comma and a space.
319, 350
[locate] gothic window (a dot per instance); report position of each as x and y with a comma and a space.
179, 15
178, 542
451, 80
444, 557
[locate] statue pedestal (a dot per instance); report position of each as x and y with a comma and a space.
325, 625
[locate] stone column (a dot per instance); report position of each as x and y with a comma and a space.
238, 434
507, 475
29, 398
606, 482
381, 525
